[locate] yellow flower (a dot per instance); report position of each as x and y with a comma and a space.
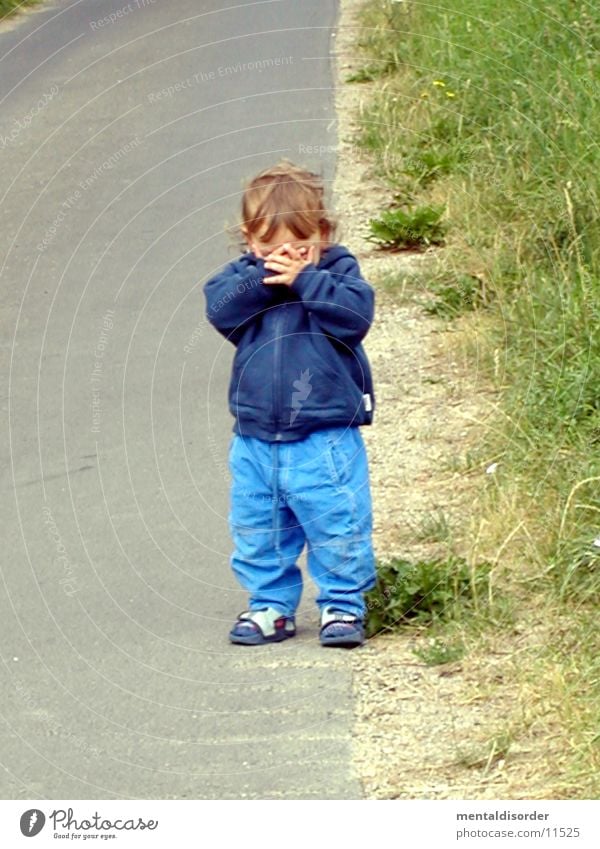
450, 94
424, 94
440, 83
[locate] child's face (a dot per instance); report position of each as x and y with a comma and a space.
282, 236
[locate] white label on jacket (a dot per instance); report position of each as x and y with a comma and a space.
368, 404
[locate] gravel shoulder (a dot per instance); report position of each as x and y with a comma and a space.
420, 732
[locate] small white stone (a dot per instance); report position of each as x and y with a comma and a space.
491, 468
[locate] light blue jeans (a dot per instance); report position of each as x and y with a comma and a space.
313, 491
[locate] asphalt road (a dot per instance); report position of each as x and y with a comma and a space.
125, 132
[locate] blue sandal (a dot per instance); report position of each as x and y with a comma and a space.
257, 627
341, 629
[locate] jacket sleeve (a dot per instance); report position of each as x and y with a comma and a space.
341, 301
236, 296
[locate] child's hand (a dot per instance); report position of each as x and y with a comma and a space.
288, 262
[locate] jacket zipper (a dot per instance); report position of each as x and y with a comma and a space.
281, 319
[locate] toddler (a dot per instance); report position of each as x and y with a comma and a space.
297, 309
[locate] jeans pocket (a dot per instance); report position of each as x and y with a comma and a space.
340, 449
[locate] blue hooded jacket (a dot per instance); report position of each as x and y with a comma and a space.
299, 364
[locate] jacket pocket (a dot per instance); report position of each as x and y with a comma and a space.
250, 387
316, 380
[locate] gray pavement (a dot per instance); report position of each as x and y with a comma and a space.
125, 132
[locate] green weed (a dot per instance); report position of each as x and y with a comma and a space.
416, 228
435, 527
454, 294
424, 592
425, 165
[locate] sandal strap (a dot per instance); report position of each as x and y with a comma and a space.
263, 619
331, 615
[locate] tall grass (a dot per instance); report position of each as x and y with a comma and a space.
492, 108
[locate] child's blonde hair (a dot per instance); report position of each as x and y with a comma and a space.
289, 196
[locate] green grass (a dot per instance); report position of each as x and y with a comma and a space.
520, 127
437, 651
10, 6
491, 110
